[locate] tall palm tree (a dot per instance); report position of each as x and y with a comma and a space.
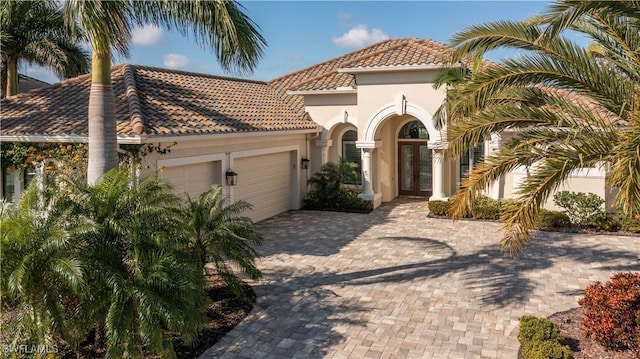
35, 31
219, 233
41, 272
142, 279
220, 25
564, 106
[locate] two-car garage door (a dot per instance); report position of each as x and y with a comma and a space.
265, 181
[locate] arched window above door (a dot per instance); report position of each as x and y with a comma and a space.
413, 130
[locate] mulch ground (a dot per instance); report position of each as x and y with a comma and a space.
224, 313
584, 348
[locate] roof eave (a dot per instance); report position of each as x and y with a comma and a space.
396, 68
130, 140
338, 91
135, 140
213, 136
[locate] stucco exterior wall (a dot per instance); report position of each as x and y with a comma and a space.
379, 89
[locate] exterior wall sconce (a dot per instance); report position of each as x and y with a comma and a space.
304, 163
232, 177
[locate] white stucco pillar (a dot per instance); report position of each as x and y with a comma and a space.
324, 146
438, 175
497, 190
367, 185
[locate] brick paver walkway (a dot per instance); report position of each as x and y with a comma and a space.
395, 284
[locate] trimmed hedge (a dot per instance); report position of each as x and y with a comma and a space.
486, 208
439, 208
540, 339
552, 219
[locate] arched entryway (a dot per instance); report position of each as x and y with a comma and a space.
414, 160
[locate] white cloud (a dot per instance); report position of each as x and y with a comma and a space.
175, 61
147, 35
359, 36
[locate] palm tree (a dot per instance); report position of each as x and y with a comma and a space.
41, 273
35, 31
219, 25
566, 107
142, 279
219, 233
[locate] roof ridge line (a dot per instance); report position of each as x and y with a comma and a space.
330, 60
401, 43
197, 74
358, 58
131, 93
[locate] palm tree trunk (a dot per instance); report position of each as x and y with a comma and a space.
103, 147
12, 77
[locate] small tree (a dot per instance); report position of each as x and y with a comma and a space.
142, 280
41, 271
218, 232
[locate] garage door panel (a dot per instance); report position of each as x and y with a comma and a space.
265, 182
192, 179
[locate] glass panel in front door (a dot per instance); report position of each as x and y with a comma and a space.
425, 168
406, 168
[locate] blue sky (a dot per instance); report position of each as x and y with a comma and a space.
303, 33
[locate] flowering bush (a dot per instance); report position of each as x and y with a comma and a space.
612, 312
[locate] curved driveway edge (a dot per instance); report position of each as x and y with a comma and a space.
396, 284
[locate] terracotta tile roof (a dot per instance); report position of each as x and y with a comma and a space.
156, 102
325, 76
28, 83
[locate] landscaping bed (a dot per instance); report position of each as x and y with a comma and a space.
583, 347
224, 312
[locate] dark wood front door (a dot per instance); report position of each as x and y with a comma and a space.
414, 167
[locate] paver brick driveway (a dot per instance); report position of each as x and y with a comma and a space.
395, 284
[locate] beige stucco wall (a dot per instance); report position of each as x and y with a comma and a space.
376, 90
591, 180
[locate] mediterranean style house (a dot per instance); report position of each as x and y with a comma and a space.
373, 107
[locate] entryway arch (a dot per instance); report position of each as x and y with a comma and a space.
399, 108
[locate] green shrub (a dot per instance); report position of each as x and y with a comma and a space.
552, 219
486, 208
630, 225
612, 312
537, 329
584, 210
439, 208
547, 349
540, 339
346, 199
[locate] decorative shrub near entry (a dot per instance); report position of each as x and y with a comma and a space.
439, 208
584, 209
540, 339
552, 219
486, 208
612, 312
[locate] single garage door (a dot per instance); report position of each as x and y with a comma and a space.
193, 179
265, 182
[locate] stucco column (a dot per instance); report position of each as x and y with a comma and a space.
438, 175
367, 186
324, 146
498, 185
